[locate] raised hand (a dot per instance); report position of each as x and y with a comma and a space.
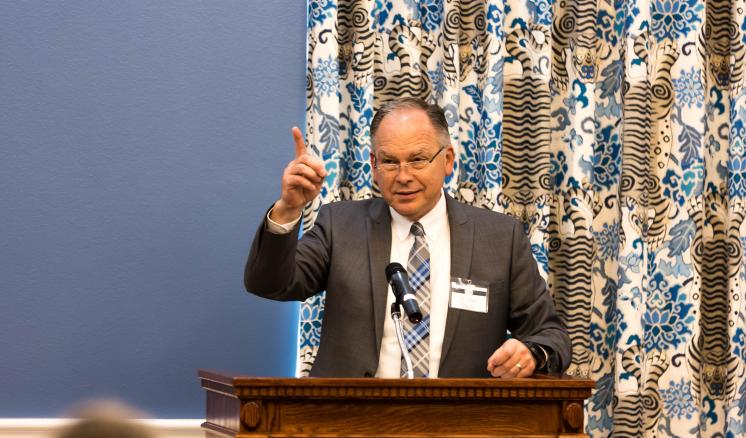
301, 182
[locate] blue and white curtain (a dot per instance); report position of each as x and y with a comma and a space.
615, 130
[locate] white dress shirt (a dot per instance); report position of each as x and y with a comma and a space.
438, 237
276, 228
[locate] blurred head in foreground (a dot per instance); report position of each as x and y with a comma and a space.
106, 419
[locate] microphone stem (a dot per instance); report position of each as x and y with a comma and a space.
396, 317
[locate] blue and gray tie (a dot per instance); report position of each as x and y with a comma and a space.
417, 336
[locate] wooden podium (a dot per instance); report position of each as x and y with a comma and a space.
242, 406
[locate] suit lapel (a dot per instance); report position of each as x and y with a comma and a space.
462, 241
379, 251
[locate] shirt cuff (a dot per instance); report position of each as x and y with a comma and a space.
275, 228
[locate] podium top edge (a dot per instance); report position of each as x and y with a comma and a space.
537, 382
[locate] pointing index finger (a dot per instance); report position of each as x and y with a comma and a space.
300, 145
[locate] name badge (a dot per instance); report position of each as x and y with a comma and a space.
469, 295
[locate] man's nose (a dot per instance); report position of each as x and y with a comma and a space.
404, 173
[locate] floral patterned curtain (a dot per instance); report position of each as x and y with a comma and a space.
615, 131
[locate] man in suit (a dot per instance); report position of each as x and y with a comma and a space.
471, 269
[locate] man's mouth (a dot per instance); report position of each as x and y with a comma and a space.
407, 193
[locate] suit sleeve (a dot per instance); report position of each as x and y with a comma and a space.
533, 317
281, 267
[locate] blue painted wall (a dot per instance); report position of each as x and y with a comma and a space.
140, 144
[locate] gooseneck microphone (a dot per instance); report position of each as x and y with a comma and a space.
396, 275
399, 281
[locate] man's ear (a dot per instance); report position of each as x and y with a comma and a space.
373, 165
450, 159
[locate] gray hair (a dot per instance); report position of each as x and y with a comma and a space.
434, 113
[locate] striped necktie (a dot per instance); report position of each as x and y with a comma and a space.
417, 336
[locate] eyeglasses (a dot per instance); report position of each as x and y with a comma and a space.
414, 165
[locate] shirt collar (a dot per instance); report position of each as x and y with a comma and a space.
432, 222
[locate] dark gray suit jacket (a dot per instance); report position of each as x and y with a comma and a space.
346, 253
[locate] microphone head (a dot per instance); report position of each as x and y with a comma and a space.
415, 316
393, 268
